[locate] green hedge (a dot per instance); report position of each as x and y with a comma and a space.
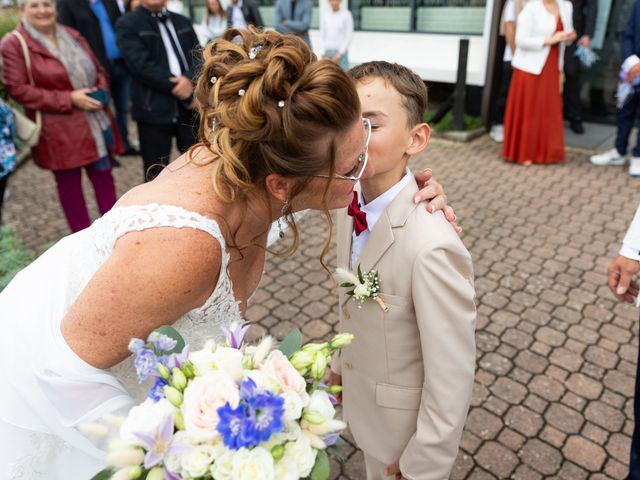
14, 256
8, 20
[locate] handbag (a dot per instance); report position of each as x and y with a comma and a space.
27, 131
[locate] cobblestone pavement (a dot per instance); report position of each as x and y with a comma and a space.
556, 353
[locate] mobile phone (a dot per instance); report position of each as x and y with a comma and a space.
101, 95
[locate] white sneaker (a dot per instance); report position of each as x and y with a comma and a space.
634, 167
497, 133
610, 157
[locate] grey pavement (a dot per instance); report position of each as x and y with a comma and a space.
556, 353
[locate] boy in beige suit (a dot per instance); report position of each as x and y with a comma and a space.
408, 375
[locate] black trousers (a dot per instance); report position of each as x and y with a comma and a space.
503, 93
571, 95
3, 186
156, 139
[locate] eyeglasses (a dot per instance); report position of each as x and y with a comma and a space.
363, 158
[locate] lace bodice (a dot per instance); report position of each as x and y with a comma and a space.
198, 325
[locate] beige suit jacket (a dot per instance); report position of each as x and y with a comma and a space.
408, 375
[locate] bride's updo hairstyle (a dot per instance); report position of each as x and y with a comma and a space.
267, 105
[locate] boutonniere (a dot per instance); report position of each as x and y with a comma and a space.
363, 286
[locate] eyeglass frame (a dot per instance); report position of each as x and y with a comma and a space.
354, 178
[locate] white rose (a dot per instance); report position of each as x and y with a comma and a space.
278, 367
253, 464
203, 359
197, 461
292, 406
202, 399
229, 360
361, 291
320, 403
145, 418
222, 469
302, 454
286, 469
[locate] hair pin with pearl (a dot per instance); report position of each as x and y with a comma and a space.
241, 92
281, 104
254, 51
214, 80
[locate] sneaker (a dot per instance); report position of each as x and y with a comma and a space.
610, 157
497, 133
634, 167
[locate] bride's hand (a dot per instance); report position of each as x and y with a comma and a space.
432, 192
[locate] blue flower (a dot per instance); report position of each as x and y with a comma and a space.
156, 393
145, 363
135, 344
258, 416
231, 425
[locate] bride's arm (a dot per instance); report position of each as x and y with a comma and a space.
152, 278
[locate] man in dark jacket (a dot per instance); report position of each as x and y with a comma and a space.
95, 20
584, 22
242, 13
628, 107
162, 53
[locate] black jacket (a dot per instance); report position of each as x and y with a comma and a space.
143, 51
251, 14
584, 17
78, 14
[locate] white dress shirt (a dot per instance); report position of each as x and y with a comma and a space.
374, 210
631, 243
336, 29
237, 17
174, 64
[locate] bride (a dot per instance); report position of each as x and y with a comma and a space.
281, 132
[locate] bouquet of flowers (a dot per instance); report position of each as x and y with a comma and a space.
229, 410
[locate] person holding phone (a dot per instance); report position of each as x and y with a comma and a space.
57, 74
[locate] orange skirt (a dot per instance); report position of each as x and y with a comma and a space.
533, 130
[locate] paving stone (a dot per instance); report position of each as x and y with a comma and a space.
586, 387
497, 459
541, 457
563, 418
585, 453
524, 421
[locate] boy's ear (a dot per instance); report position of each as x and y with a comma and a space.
419, 139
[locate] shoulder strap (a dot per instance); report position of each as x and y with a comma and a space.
27, 61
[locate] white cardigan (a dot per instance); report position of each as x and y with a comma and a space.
534, 24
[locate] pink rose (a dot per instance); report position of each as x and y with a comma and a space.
278, 367
202, 398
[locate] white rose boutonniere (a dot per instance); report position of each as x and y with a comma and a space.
363, 286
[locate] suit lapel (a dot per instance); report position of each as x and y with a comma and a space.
381, 237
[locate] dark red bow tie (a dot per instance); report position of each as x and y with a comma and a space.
359, 217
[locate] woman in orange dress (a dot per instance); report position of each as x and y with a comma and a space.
533, 119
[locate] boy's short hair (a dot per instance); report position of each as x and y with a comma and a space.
409, 85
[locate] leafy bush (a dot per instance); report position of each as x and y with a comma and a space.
8, 20
14, 256
446, 124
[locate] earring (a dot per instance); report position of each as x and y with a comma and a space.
283, 213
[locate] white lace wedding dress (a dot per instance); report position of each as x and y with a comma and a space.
46, 390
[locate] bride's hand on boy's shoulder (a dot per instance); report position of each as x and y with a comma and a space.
432, 192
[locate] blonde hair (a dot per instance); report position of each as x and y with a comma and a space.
267, 106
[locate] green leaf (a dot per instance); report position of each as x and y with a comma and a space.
352, 293
347, 285
169, 331
321, 469
105, 474
360, 276
292, 343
